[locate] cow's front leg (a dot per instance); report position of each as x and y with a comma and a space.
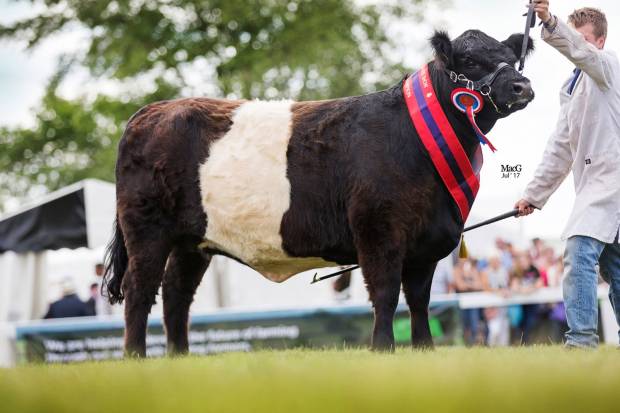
382, 272
417, 280
379, 236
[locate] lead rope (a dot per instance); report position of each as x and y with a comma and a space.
512, 213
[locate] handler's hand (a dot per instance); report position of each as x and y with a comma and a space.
524, 207
541, 7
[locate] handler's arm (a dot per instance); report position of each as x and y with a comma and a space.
556, 163
594, 62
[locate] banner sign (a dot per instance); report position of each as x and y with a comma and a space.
91, 338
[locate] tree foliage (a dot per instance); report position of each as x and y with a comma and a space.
299, 49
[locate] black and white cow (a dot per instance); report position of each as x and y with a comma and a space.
287, 186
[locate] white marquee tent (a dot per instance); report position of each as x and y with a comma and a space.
79, 215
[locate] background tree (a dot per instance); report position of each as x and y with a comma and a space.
298, 49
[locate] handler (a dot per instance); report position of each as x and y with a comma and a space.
586, 140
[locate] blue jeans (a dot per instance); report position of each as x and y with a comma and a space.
530, 318
471, 319
581, 256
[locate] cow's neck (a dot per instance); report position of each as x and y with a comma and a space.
457, 119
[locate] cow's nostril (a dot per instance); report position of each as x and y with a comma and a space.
523, 90
517, 88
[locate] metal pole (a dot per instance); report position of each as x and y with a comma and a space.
513, 213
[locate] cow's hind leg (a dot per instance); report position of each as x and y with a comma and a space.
417, 288
147, 258
183, 274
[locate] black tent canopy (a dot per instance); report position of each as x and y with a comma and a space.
79, 215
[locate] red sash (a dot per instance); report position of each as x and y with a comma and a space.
456, 171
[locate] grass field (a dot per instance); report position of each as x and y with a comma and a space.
542, 379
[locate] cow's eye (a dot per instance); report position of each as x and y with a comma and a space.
470, 63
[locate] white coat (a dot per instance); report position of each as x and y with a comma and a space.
586, 139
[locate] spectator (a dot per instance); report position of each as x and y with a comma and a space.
551, 270
555, 271
467, 279
102, 305
69, 305
559, 326
443, 282
495, 279
91, 303
536, 249
505, 253
99, 269
525, 279
544, 263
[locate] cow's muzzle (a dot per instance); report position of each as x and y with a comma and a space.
522, 94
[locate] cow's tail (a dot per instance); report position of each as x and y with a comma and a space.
116, 261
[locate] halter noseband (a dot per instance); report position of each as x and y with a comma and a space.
484, 85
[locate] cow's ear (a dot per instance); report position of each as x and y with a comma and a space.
515, 42
442, 46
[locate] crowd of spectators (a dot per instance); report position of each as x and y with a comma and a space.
70, 304
507, 271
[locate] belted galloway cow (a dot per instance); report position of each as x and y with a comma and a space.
384, 180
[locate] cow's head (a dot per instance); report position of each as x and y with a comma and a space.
475, 55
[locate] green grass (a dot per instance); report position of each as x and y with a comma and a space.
545, 379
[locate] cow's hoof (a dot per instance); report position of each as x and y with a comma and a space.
175, 352
383, 345
423, 347
135, 353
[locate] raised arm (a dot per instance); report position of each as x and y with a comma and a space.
590, 58
594, 62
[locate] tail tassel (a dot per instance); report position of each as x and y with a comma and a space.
463, 253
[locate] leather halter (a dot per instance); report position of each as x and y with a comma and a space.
484, 85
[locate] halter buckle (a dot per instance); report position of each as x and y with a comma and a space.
462, 78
